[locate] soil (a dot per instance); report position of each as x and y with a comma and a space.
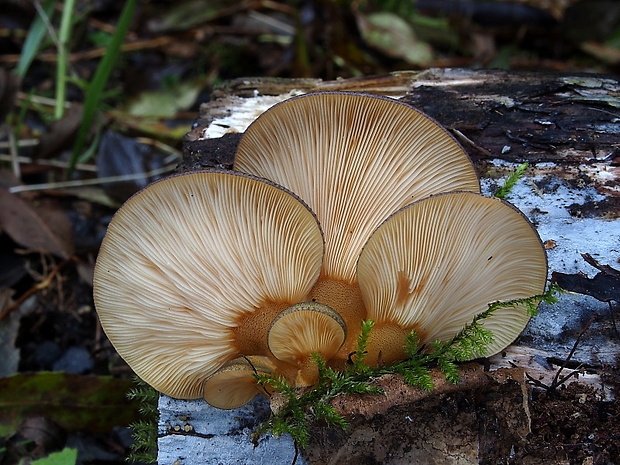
574, 426
502, 423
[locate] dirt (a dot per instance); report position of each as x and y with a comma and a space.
574, 426
501, 424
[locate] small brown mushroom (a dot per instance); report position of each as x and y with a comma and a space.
194, 269
434, 265
235, 384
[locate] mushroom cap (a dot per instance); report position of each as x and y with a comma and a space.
306, 328
235, 384
190, 256
354, 159
437, 263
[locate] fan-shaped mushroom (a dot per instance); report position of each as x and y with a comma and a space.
194, 269
206, 279
354, 159
434, 265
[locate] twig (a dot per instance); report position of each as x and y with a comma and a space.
20, 143
471, 143
38, 99
92, 182
556, 379
13, 153
604, 268
34, 289
50, 163
256, 373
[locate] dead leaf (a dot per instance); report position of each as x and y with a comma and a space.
605, 286
60, 132
165, 102
40, 230
393, 36
46, 434
602, 52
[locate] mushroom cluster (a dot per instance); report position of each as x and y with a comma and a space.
341, 207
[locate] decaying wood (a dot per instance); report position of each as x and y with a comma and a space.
456, 424
396, 392
605, 286
512, 116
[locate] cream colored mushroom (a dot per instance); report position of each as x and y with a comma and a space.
206, 279
434, 265
235, 384
194, 269
354, 159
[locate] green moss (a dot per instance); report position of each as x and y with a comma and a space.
503, 191
144, 447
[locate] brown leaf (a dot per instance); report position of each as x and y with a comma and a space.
45, 230
60, 133
45, 433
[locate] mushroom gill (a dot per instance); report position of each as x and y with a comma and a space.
434, 265
354, 159
302, 330
364, 208
235, 384
194, 268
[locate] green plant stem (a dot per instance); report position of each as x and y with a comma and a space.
35, 36
64, 36
94, 91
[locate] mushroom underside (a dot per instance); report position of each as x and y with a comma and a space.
354, 159
235, 384
434, 265
188, 257
206, 280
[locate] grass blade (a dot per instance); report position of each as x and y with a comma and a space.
36, 33
95, 89
63, 53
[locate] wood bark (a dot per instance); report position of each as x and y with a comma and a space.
535, 117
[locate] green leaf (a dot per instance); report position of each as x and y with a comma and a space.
510, 182
362, 347
64, 457
393, 36
165, 102
96, 87
35, 36
66, 26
